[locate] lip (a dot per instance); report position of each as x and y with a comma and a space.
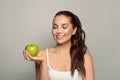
59, 36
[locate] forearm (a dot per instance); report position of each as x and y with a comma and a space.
37, 67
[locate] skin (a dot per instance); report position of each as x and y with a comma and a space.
59, 56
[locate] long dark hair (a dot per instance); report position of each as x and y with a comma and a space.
78, 47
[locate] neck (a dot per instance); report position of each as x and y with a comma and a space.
64, 48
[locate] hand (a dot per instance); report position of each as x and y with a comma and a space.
27, 56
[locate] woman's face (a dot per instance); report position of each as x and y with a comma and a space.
62, 29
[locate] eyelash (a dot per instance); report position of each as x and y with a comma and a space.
64, 27
54, 27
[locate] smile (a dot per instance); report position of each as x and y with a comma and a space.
59, 36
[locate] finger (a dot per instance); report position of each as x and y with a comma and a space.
29, 57
26, 55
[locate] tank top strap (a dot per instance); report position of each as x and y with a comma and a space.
47, 56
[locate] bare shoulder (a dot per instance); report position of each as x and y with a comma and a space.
41, 53
88, 59
89, 66
88, 56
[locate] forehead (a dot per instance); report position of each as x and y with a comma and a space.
61, 18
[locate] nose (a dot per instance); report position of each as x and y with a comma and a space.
59, 30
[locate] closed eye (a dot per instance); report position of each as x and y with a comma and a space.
55, 26
64, 26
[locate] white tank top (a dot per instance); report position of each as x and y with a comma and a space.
61, 75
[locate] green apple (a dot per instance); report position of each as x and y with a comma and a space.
32, 49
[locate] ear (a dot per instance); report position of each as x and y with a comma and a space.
74, 31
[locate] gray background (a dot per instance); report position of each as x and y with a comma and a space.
30, 21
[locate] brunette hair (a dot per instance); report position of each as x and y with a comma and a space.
78, 47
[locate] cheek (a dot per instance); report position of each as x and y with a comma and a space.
54, 33
69, 31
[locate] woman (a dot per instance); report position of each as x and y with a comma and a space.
69, 58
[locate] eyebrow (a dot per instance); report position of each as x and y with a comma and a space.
64, 24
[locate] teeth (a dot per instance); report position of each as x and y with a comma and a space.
60, 36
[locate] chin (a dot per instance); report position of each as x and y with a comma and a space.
60, 42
